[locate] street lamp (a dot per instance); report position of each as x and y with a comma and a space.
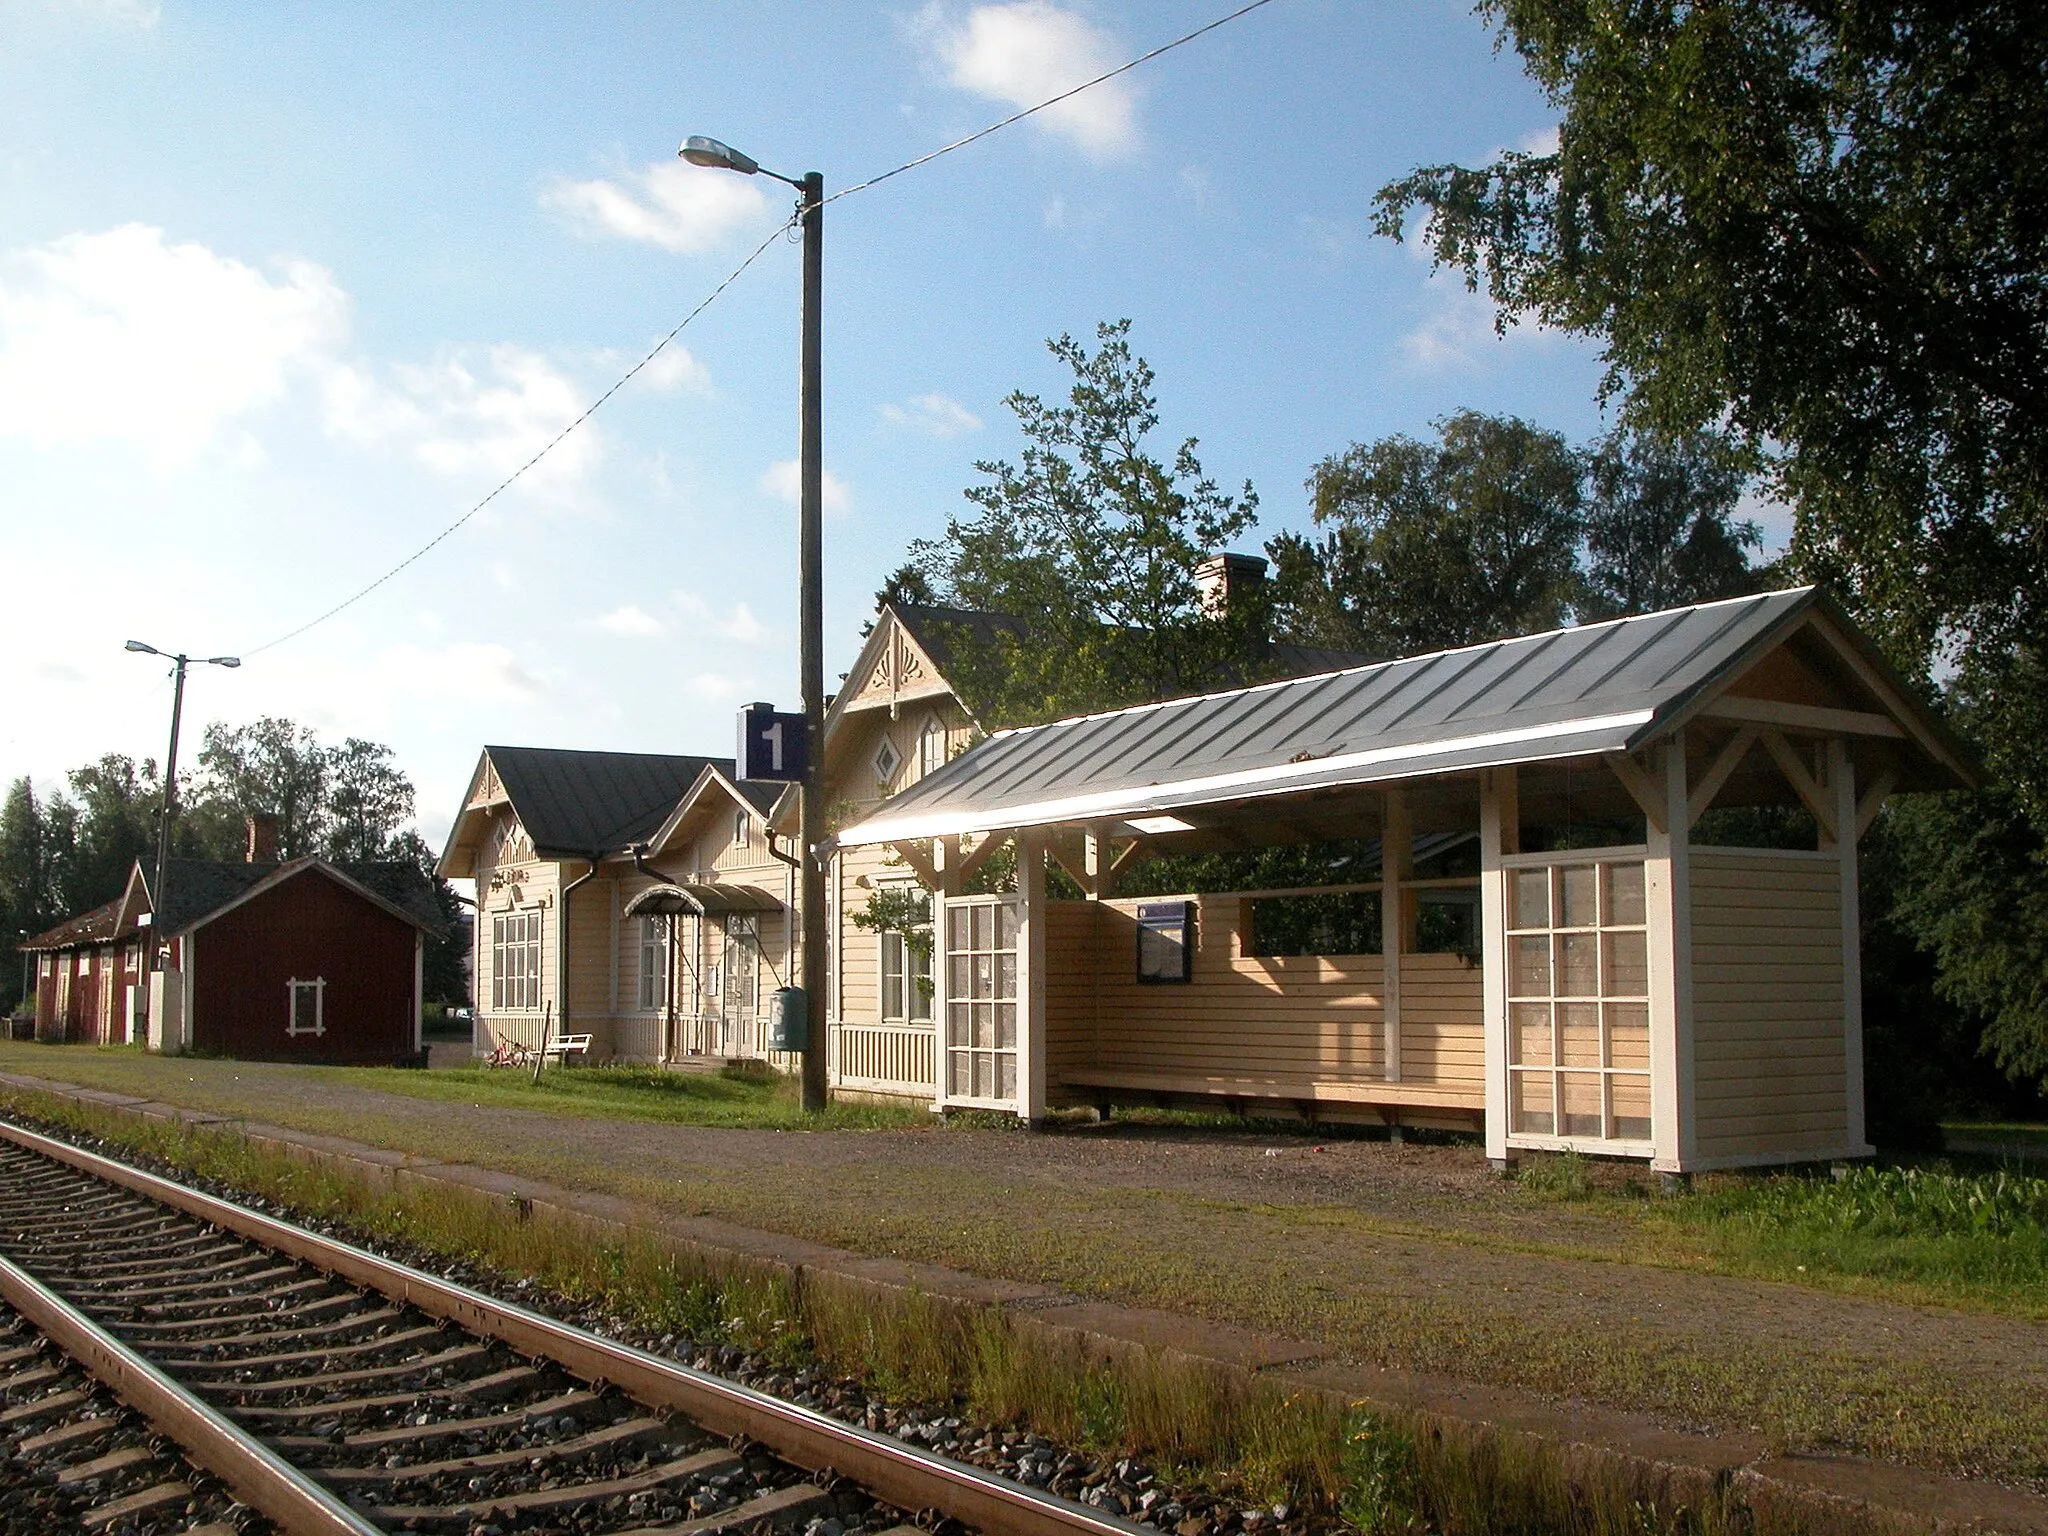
170, 805
810, 587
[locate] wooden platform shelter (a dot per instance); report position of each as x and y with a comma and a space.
1618, 968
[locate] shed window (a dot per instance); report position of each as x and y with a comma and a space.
653, 963
906, 978
308, 1006
515, 960
1578, 1001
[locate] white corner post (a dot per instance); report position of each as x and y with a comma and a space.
1848, 821
1500, 833
1397, 859
1031, 1062
1667, 888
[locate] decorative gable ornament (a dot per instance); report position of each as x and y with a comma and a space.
887, 761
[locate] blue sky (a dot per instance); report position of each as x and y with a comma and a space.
283, 290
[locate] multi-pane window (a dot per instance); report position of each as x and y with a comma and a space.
1578, 1001
653, 962
307, 999
515, 960
981, 999
931, 747
906, 979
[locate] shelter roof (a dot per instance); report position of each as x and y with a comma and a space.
1594, 689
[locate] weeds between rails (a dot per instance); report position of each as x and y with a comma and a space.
1239, 1440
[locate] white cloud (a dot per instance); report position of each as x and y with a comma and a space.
740, 626
1026, 51
631, 621
782, 481
125, 336
1459, 333
672, 204
674, 368
1540, 141
935, 414
460, 423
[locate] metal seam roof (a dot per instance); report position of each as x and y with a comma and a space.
1571, 692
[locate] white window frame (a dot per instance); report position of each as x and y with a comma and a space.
931, 746
742, 830
296, 989
898, 964
654, 977
886, 753
516, 992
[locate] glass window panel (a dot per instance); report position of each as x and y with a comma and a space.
957, 1023
1529, 1094
984, 1075
984, 1026
1624, 893
920, 988
892, 976
984, 920
984, 976
1631, 1105
958, 976
1577, 885
1529, 971
1628, 1035
1006, 1077
963, 1074
1006, 976
1578, 1034
1581, 1094
1006, 925
1578, 965
1628, 965
956, 928
1532, 1034
1532, 899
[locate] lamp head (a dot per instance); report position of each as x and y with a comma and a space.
224, 661
699, 150
137, 645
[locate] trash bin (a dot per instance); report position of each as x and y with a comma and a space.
789, 1021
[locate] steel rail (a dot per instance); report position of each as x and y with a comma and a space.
883, 1466
258, 1476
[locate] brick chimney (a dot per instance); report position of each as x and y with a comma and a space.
262, 839
1222, 578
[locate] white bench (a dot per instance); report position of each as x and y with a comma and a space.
568, 1045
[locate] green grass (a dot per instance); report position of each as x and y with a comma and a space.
635, 1093
1976, 1236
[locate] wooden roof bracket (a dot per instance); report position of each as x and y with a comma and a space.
1718, 773
1646, 789
1802, 781
926, 869
1873, 800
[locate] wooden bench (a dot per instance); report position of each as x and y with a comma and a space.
568, 1045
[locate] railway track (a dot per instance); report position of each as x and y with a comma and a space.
333, 1391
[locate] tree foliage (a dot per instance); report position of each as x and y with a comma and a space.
1094, 540
1501, 528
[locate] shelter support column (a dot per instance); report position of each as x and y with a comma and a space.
1397, 857
1031, 921
1667, 885
1500, 833
1848, 823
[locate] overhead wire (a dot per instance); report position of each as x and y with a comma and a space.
785, 227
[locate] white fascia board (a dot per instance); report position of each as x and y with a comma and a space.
1274, 778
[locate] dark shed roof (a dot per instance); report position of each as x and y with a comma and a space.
199, 888
95, 927
1597, 688
575, 803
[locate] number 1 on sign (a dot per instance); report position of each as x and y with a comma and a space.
773, 736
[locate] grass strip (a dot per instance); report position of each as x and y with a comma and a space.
1376, 1472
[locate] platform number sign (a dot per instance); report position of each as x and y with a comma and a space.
772, 745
